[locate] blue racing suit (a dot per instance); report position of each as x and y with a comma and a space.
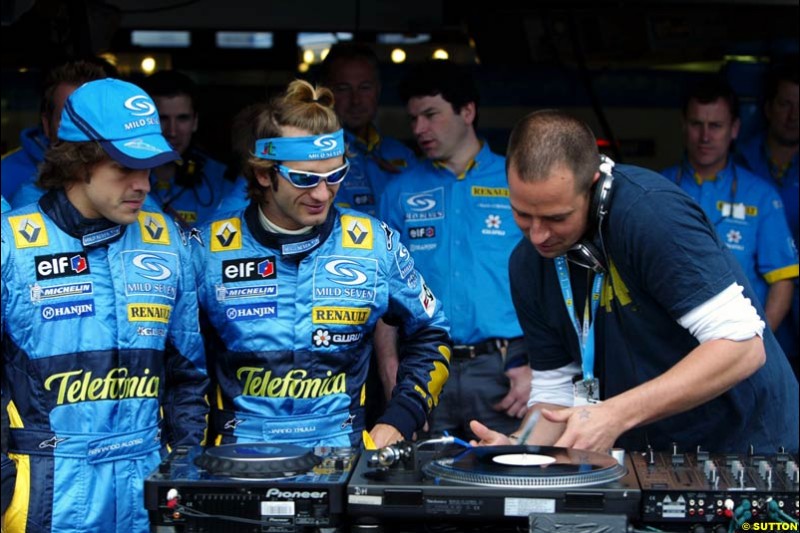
374, 163
20, 166
295, 316
103, 363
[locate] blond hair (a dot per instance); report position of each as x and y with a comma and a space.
301, 106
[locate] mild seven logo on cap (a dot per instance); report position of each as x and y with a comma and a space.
140, 105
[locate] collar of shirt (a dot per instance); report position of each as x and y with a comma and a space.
776, 170
90, 231
473, 163
294, 247
720, 179
368, 145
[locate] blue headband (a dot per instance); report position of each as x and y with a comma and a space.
301, 148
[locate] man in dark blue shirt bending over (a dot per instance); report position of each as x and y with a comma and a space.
641, 327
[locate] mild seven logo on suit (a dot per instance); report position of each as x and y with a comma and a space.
149, 273
251, 269
345, 278
427, 205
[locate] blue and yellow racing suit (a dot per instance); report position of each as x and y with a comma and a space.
103, 363
295, 316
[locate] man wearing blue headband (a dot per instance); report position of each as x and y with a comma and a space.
293, 288
103, 362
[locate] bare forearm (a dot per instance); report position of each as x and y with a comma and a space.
545, 433
705, 373
386, 355
779, 301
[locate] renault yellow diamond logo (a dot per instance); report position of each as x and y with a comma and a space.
154, 228
226, 235
357, 232
29, 230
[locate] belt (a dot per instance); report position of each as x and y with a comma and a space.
95, 447
487, 347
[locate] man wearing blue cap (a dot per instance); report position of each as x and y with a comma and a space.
293, 288
103, 362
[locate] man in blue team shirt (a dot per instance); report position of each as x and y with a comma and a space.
189, 189
19, 168
773, 155
676, 351
745, 209
453, 214
350, 70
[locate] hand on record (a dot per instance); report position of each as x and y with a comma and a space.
488, 437
384, 435
515, 403
589, 427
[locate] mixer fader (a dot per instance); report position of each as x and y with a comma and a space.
702, 487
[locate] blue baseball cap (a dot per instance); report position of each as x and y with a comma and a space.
122, 118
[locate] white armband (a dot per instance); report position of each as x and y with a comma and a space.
553, 386
728, 315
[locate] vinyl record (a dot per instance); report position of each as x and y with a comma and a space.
257, 460
524, 466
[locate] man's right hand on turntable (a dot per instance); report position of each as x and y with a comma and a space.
488, 437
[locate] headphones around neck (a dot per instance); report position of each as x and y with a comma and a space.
589, 252
188, 169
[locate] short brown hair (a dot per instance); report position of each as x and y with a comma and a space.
66, 162
548, 138
72, 73
302, 106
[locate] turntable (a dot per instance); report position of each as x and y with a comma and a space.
256, 487
494, 484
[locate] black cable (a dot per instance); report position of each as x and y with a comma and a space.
586, 77
192, 513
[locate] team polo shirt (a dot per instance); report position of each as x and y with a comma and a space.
374, 162
748, 216
460, 231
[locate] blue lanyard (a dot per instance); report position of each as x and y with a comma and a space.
586, 331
